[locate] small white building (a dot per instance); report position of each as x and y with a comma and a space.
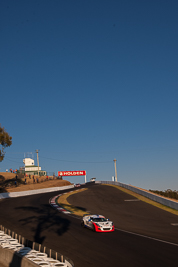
28, 162
31, 168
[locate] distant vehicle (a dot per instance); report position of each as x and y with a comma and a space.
92, 179
97, 223
77, 185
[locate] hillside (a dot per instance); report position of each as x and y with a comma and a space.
8, 180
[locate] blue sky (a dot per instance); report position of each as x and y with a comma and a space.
86, 82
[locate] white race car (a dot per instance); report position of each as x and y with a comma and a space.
97, 223
77, 185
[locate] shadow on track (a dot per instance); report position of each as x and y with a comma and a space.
43, 219
16, 261
40, 221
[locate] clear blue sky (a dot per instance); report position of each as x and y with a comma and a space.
89, 81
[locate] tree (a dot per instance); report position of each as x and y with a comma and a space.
5, 141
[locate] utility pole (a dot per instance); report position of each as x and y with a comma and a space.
115, 170
37, 161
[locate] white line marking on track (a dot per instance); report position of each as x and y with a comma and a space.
144, 236
152, 238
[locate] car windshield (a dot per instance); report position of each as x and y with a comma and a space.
99, 219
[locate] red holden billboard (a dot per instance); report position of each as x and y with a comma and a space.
71, 173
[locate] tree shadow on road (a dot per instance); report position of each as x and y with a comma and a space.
40, 222
43, 219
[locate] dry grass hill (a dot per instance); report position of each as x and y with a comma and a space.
9, 183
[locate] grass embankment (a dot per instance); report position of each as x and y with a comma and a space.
8, 181
62, 201
8, 175
147, 200
40, 185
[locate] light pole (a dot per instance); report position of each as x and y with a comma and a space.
37, 161
115, 170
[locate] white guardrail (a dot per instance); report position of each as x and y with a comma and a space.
164, 201
34, 192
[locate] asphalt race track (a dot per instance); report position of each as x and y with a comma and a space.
144, 234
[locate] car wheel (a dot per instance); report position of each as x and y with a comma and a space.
82, 224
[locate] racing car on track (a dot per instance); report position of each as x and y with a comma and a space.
97, 223
77, 185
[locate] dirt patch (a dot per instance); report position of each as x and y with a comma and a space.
32, 183
7, 175
45, 184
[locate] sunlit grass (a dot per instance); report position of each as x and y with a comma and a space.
147, 200
62, 201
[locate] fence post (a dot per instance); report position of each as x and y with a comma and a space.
56, 255
33, 245
44, 249
62, 258
50, 253
39, 247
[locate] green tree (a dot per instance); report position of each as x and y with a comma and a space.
5, 141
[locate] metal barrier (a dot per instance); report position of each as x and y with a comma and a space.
33, 245
164, 201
